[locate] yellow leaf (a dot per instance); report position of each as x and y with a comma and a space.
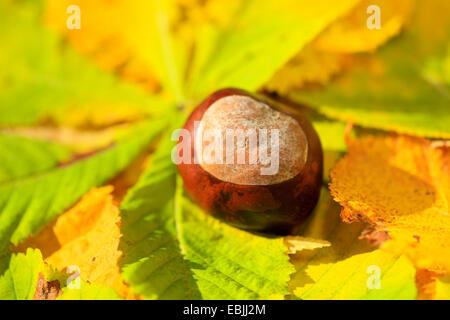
400, 185
103, 35
351, 34
87, 236
132, 38
332, 51
310, 66
442, 288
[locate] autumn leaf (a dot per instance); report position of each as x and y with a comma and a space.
310, 66
351, 34
44, 81
332, 51
399, 185
220, 47
87, 235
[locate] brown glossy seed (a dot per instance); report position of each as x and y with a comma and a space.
257, 168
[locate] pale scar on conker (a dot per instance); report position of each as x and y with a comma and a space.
264, 170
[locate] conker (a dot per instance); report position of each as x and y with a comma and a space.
256, 194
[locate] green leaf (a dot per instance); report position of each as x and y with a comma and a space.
22, 157
260, 37
173, 250
88, 291
19, 281
41, 77
343, 270
26, 205
396, 89
165, 53
229, 263
152, 263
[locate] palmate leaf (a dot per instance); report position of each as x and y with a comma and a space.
22, 157
42, 78
394, 90
28, 204
173, 250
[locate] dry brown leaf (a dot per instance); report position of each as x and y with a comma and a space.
47, 290
426, 282
400, 185
87, 235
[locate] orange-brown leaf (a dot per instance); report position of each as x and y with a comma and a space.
400, 185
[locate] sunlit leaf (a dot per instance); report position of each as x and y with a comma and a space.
22, 157
88, 291
28, 204
351, 33
18, 282
113, 34
343, 270
332, 51
87, 236
229, 263
392, 89
42, 79
152, 263
399, 185
260, 39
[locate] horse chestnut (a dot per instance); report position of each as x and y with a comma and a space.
244, 162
